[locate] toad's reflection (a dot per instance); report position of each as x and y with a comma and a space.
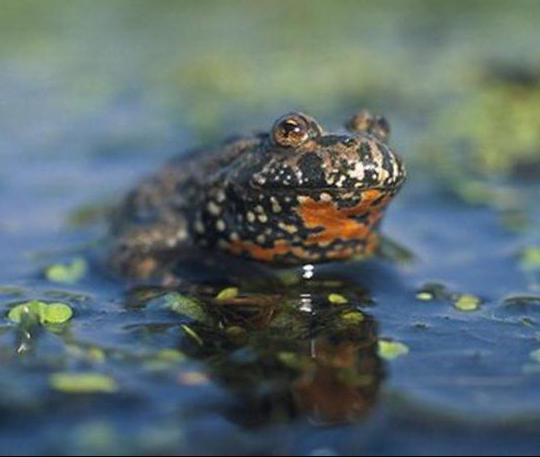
341, 385
308, 353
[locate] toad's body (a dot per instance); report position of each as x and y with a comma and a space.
295, 195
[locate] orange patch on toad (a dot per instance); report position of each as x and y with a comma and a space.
280, 247
338, 223
258, 252
334, 224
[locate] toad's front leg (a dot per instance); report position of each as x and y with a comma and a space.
146, 252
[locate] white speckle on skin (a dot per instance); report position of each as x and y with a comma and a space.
213, 208
289, 228
263, 218
259, 179
220, 197
326, 197
357, 172
250, 217
276, 207
199, 227
220, 225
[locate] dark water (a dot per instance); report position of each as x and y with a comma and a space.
94, 95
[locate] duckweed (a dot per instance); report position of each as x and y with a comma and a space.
467, 302
96, 355
530, 258
186, 306
292, 360
424, 296
476, 128
46, 313
83, 383
171, 355
228, 293
236, 333
390, 350
164, 360
337, 299
353, 317
67, 273
433, 291
192, 334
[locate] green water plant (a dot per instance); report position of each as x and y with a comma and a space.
45, 313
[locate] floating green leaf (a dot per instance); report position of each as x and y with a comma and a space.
337, 299
424, 296
88, 354
433, 291
57, 313
292, 360
83, 383
530, 258
171, 355
475, 192
236, 333
46, 313
228, 293
192, 334
390, 350
164, 360
67, 273
34, 308
353, 317
187, 306
467, 302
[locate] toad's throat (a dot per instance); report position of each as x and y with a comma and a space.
332, 232
336, 223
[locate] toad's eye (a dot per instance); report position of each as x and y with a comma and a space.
365, 122
293, 130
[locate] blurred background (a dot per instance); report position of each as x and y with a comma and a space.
86, 80
95, 94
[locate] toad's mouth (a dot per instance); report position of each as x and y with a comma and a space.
326, 200
358, 188
313, 190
